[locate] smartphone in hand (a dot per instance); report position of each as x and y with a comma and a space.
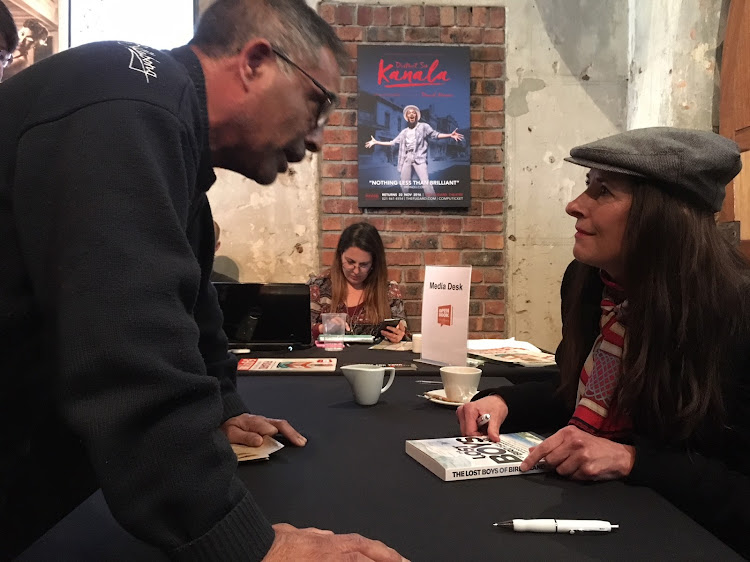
392, 322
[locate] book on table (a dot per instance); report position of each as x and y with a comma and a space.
465, 458
291, 365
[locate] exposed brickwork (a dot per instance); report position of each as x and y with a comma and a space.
418, 237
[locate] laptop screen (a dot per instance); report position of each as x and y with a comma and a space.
266, 314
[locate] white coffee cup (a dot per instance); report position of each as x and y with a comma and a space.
367, 382
416, 343
460, 383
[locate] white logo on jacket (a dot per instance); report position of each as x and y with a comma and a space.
142, 60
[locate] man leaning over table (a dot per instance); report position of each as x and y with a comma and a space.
114, 365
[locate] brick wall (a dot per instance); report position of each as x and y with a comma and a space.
417, 237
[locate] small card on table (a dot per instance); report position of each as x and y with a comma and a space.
262, 453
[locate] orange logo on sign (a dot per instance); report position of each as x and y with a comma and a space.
445, 315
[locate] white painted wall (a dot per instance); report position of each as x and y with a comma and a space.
264, 227
567, 85
653, 62
674, 75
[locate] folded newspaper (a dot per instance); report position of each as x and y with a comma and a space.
510, 351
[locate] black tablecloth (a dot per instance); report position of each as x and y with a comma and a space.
354, 476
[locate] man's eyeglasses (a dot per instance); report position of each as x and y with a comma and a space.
332, 100
5, 58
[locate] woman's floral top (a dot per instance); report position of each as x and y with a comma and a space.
321, 292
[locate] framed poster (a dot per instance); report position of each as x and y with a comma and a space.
413, 126
38, 24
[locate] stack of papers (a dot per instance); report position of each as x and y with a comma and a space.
510, 351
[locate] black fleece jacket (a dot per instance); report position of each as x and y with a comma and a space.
109, 327
707, 478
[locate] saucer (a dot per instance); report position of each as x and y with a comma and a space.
438, 397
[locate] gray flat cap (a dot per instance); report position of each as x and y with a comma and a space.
681, 161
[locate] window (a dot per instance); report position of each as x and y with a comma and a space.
162, 24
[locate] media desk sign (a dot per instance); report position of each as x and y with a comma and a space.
445, 314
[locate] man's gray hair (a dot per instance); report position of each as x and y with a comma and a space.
290, 25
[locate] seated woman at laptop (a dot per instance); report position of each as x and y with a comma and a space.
358, 285
655, 354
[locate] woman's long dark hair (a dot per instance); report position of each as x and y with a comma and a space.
684, 283
364, 236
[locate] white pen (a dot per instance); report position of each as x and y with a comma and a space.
571, 526
482, 420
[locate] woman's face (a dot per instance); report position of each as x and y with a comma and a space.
356, 265
601, 214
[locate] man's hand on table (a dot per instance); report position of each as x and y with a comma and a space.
248, 429
581, 456
315, 544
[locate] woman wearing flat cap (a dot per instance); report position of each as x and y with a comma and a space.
655, 357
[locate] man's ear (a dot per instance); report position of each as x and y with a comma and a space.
255, 57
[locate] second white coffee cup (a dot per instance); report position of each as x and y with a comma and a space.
460, 383
416, 343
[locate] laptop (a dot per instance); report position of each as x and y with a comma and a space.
266, 316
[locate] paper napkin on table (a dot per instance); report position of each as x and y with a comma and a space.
268, 447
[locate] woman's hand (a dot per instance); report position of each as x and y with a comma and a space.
581, 456
469, 412
394, 334
370, 143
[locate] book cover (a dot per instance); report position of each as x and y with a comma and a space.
465, 458
295, 365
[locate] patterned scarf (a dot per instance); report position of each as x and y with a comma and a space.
595, 412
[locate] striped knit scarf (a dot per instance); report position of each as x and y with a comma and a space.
595, 412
